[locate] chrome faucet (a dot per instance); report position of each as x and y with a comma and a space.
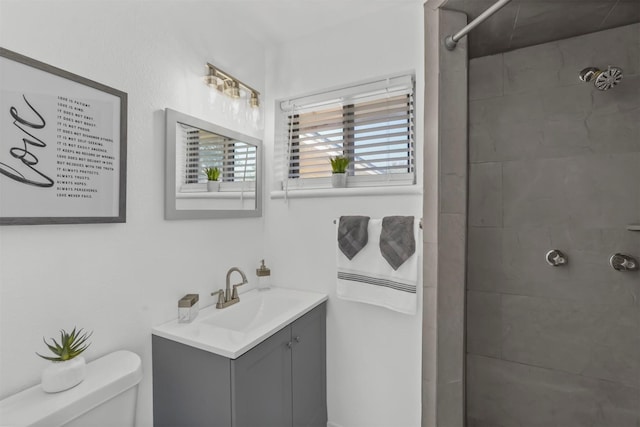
229, 297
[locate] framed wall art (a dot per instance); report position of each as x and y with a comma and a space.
63, 146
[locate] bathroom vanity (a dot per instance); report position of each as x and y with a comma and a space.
278, 380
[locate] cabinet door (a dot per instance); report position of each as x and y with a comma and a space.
309, 369
261, 384
190, 386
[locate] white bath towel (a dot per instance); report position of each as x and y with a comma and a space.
369, 278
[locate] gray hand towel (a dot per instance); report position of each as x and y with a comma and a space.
397, 242
352, 234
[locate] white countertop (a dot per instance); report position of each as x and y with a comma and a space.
232, 331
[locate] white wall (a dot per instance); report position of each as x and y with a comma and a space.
121, 279
374, 355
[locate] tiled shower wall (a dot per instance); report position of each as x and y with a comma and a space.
554, 164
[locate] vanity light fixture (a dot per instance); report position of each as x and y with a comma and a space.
254, 101
230, 86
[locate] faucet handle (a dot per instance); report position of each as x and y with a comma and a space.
220, 294
234, 295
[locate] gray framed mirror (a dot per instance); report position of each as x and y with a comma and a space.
195, 149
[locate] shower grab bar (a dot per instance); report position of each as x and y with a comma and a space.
335, 221
450, 42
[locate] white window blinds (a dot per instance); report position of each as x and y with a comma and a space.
371, 124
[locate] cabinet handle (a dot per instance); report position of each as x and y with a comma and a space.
290, 344
297, 339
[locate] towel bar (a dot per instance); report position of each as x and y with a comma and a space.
335, 222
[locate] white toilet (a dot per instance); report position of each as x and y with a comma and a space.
106, 398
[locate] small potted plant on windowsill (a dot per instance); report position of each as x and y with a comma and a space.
339, 166
213, 176
68, 367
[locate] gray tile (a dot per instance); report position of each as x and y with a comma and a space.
453, 170
542, 22
504, 394
450, 357
428, 404
617, 47
532, 68
450, 397
484, 330
572, 161
453, 150
506, 128
455, 60
614, 124
429, 337
575, 120
594, 340
508, 110
430, 199
493, 35
532, 22
486, 77
493, 142
429, 265
453, 194
512, 261
587, 276
547, 112
484, 258
452, 230
566, 102
452, 100
485, 195
623, 13
450, 295
588, 191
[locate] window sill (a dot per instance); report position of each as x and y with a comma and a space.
249, 194
394, 190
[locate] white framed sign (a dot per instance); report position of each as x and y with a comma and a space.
63, 146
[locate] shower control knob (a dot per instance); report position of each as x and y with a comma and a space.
556, 258
621, 262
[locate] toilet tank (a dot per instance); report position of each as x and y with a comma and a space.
106, 397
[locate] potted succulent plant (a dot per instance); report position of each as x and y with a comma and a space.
213, 176
339, 166
68, 367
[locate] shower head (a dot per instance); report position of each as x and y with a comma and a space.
603, 80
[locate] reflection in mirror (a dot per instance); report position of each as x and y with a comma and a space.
212, 172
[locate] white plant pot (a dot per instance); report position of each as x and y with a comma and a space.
213, 186
339, 180
61, 376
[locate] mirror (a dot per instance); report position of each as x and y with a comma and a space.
192, 147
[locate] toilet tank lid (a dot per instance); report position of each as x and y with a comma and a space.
106, 377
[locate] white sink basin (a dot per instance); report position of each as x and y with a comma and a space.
232, 331
253, 310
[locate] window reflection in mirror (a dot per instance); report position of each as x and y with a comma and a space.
200, 149
193, 148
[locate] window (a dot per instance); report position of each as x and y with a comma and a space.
371, 124
236, 160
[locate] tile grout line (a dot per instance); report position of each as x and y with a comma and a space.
553, 370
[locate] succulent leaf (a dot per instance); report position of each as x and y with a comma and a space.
339, 164
213, 174
71, 345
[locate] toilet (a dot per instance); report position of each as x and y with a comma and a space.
106, 398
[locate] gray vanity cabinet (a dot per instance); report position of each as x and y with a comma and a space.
261, 378
308, 360
280, 382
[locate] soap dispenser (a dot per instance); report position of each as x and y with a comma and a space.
264, 277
